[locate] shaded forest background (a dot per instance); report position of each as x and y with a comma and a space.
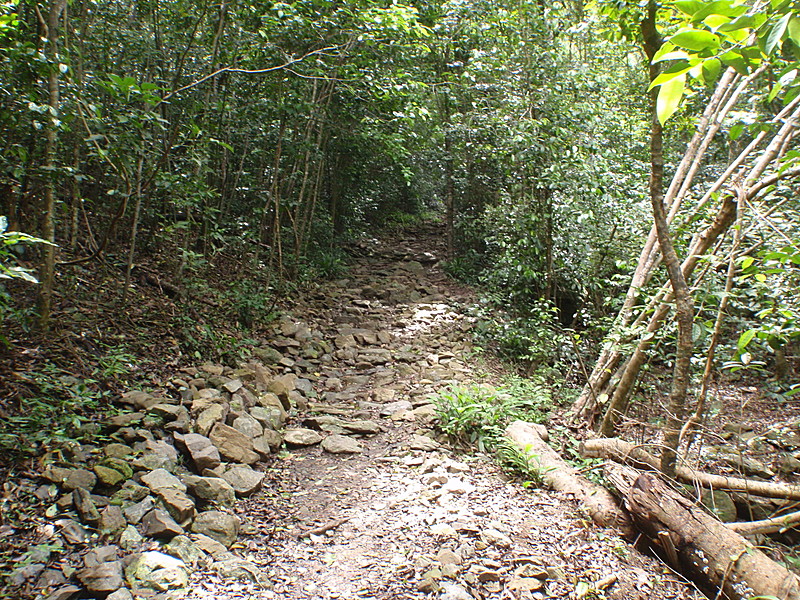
184, 166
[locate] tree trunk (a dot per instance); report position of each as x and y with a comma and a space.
697, 542
47, 273
627, 453
560, 476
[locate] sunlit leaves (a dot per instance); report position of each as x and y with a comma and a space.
669, 97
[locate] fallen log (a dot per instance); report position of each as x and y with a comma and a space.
558, 475
766, 526
698, 542
627, 453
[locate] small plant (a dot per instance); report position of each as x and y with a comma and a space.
526, 464
478, 415
55, 413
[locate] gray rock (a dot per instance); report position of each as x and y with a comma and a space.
157, 571
237, 569
270, 417
234, 385
341, 444
270, 442
85, 506
269, 356
243, 480
159, 524
492, 536
25, 573
248, 426
130, 492
101, 555
112, 520
203, 453
68, 592
749, 466
233, 444
301, 437
161, 478
209, 417
424, 443
185, 549
392, 408
135, 512
179, 505
220, 526
103, 578
139, 399
130, 538
110, 476
79, 478
115, 450
453, 591
73, 531
721, 504
120, 594
211, 489
210, 546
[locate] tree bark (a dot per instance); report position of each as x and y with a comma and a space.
627, 453
701, 544
47, 273
558, 475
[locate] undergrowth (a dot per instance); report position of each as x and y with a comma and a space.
477, 416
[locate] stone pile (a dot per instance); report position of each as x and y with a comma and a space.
158, 499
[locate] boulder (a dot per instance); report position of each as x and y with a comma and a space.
85, 506
184, 548
341, 444
211, 489
161, 478
243, 480
159, 524
179, 505
209, 417
301, 437
272, 416
233, 444
220, 526
248, 426
157, 571
103, 578
200, 449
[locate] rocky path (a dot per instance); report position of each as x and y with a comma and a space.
359, 497
402, 516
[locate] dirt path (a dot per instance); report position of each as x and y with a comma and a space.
405, 517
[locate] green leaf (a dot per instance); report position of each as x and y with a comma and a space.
711, 68
735, 60
669, 97
696, 40
745, 338
776, 33
794, 29
670, 74
689, 7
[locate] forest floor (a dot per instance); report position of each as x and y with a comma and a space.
409, 517
406, 515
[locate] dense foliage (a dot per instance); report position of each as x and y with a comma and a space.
226, 151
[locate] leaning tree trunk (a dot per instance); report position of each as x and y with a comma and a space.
684, 309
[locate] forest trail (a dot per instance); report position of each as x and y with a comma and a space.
403, 516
